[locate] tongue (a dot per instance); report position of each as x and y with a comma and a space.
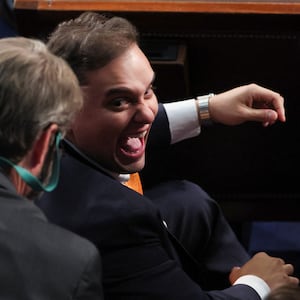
132, 144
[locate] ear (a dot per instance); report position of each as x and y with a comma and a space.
39, 150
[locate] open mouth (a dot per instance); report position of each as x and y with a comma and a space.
133, 146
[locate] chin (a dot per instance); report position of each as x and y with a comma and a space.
132, 167
136, 167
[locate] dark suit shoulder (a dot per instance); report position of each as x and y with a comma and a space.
41, 260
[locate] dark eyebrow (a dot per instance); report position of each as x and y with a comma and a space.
122, 90
117, 91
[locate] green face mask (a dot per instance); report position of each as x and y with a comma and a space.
31, 180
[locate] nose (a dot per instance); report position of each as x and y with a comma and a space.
146, 112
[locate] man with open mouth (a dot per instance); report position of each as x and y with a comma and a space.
175, 243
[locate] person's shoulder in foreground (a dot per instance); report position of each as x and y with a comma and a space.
38, 260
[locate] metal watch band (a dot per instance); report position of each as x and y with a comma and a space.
202, 103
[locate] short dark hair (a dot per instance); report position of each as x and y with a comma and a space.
91, 41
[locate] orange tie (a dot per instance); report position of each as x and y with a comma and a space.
135, 183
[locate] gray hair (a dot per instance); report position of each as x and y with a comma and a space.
37, 89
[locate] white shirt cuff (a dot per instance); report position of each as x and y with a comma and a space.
258, 284
183, 120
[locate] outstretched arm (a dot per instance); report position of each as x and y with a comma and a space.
247, 103
236, 106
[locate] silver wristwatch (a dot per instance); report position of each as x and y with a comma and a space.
202, 103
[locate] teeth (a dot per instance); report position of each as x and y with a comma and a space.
140, 135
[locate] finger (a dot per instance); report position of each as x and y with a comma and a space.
265, 116
234, 274
270, 118
294, 280
272, 100
289, 269
276, 103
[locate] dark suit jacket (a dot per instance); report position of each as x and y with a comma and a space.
140, 260
40, 261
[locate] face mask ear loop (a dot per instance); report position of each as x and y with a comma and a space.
31, 180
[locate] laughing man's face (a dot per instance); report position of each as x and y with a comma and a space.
120, 107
